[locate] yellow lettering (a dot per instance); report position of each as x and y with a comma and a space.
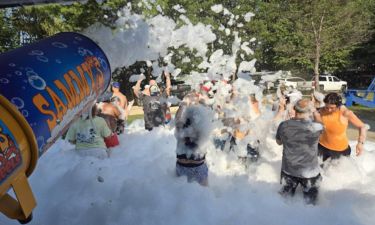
79, 84
40, 102
71, 93
59, 105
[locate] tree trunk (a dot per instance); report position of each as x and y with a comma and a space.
317, 34
316, 66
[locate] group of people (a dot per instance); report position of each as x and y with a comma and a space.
316, 129
307, 128
98, 126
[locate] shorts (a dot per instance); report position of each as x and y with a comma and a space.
198, 173
326, 153
310, 186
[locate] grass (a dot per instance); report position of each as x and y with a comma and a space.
131, 118
361, 108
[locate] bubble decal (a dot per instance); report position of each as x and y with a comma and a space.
18, 102
40, 141
25, 113
103, 63
31, 73
42, 58
36, 52
84, 52
4, 81
37, 82
59, 45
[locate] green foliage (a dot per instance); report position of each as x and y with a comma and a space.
284, 29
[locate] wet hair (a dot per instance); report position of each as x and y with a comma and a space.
333, 98
302, 106
94, 110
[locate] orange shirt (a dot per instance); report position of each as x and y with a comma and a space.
334, 135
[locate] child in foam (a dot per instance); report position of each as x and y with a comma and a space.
193, 127
88, 134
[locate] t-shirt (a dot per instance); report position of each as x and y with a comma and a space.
89, 133
300, 147
154, 108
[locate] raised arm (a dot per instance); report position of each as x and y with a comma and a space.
362, 130
281, 110
168, 82
137, 86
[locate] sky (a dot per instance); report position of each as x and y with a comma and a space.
138, 185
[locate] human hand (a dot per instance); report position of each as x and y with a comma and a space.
141, 77
282, 102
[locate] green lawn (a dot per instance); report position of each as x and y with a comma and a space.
362, 108
134, 117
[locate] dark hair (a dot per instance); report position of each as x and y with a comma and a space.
94, 110
333, 98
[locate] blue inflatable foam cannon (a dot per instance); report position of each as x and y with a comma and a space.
44, 87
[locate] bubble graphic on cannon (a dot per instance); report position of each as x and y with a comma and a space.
59, 45
102, 62
18, 102
40, 141
25, 113
12, 65
37, 82
4, 81
36, 52
42, 58
58, 61
78, 38
18, 73
31, 73
84, 52
28, 69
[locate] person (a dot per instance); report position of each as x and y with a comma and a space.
108, 111
122, 117
88, 134
335, 117
299, 137
192, 134
120, 98
154, 104
318, 100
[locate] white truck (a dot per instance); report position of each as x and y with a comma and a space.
331, 83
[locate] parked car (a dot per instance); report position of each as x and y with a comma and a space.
295, 83
331, 83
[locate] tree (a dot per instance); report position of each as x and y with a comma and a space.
319, 34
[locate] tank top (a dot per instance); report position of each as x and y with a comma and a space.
334, 135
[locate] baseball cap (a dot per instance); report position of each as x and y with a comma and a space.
115, 84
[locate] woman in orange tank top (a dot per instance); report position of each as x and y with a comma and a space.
335, 117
